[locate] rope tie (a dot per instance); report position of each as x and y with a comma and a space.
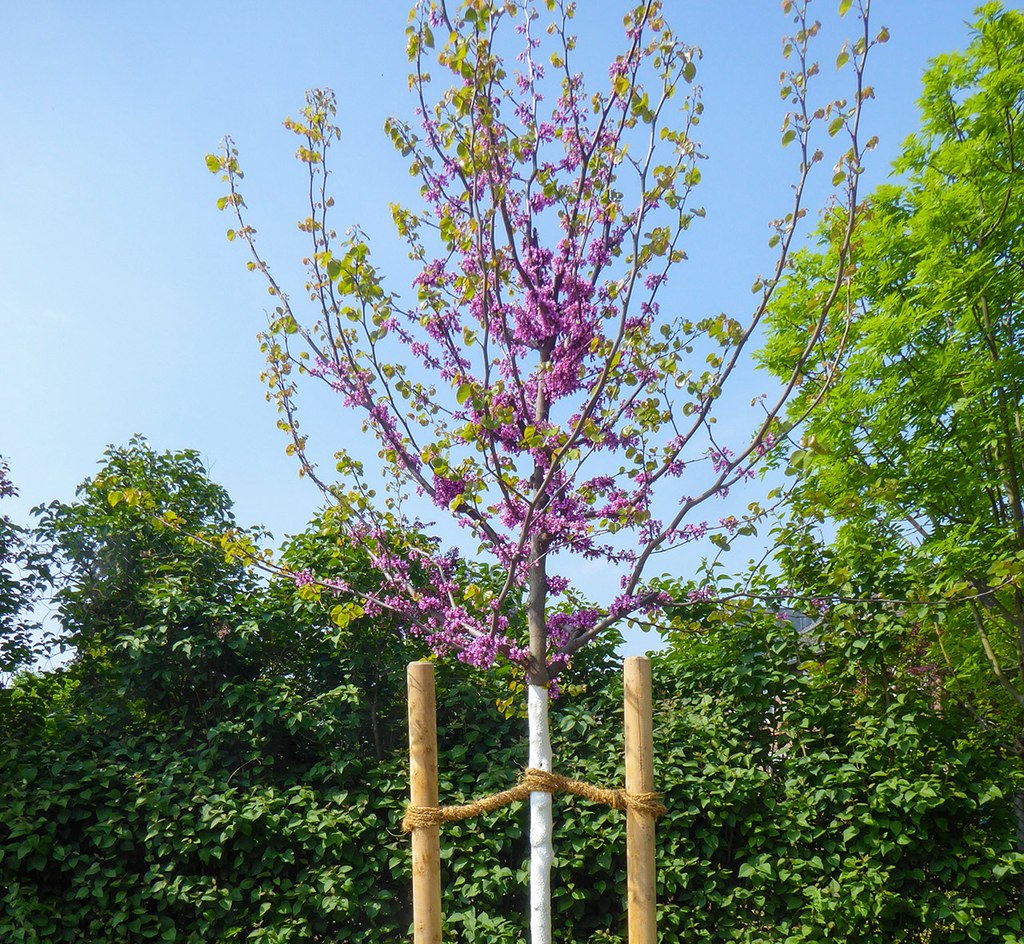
533, 781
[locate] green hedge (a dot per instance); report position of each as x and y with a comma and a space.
220, 763
802, 807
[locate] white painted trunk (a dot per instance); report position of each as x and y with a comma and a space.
541, 849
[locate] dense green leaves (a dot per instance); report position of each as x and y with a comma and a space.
21, 577
916, 392
815, 794
221, 761
811, 796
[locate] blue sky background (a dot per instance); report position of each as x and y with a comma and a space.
125, 310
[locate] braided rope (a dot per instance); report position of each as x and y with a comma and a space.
534, 781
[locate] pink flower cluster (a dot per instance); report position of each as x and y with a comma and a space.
306, 578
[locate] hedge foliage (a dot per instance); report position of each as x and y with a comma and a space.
220, 763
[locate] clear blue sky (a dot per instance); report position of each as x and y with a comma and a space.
125, 310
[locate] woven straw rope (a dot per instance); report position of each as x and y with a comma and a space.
534, 781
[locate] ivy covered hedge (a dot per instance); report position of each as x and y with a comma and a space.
257, 827
816, 794
220, 762
791, 817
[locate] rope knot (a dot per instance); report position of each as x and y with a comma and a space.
533, 781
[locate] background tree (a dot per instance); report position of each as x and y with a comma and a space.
22, 572
135, 591
914, 454
533, 388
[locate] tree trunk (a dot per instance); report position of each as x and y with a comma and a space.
541, 848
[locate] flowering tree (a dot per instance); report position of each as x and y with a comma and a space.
533, 388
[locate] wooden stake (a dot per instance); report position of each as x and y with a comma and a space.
426, 845
640, 869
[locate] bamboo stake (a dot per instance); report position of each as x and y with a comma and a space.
640, 868
426, 845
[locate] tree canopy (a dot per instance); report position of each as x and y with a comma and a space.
533, 387
913, 450
22, 576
